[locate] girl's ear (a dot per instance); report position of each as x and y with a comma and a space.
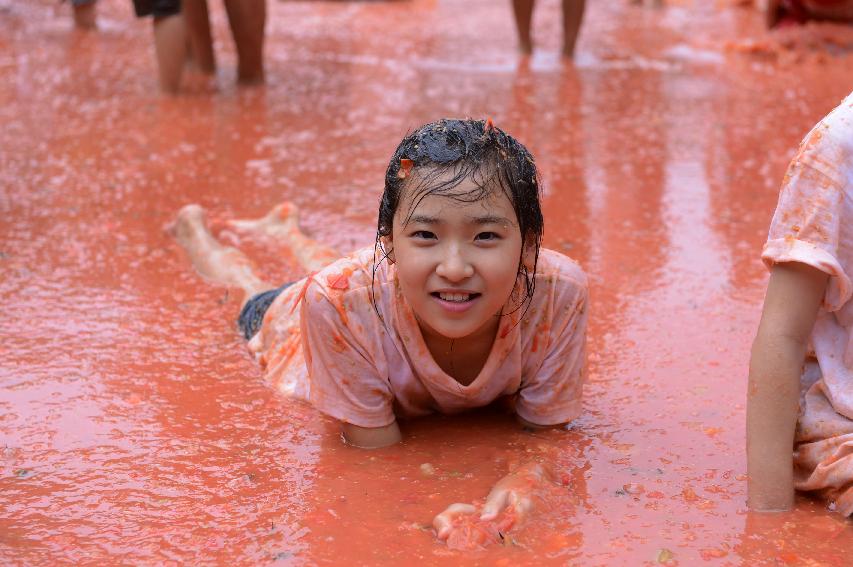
388, 247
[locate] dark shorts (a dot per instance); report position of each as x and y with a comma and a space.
252, 316
157, 8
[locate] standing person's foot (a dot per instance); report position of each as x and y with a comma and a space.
85, 16
249, 78
569, 49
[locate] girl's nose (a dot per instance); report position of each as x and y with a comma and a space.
453, 266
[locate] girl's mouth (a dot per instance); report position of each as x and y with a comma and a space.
455, 302
455, 297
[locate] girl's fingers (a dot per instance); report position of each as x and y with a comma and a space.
521, 504
495, 504
443, 523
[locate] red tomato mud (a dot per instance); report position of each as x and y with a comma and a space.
136, 428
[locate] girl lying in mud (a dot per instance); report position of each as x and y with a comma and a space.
455, 307
803, 353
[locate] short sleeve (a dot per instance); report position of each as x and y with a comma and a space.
808, 223
344, 381
552, 393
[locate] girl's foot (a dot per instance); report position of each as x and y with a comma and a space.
189, 226
281, 224
283, 219
220, 264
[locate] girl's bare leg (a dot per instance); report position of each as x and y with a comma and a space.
220, 264
282, 224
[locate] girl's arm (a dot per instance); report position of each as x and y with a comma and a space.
371, 437
794, 294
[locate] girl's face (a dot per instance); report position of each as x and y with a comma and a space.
457, 262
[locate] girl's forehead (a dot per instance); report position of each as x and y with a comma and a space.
459, 203
418, 198
459, 209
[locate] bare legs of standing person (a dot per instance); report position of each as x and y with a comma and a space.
779, 12
247, 19
523, 10
84, 14
572, 19
199, 35
170, 45
573, 11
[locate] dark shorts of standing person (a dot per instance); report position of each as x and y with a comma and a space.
252, 315
157, 8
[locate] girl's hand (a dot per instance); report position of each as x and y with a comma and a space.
461, 527
514, 492
508, 503
444, 522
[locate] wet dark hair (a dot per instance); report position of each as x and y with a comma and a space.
447, 152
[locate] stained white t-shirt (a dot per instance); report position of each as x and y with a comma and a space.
813, 224
324, 341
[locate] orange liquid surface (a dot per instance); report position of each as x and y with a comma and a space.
137, 430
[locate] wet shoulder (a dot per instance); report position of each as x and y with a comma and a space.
341, 293
556, 270
561, 294
828, 147
351, 273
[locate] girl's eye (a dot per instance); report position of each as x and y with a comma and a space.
487, 236
423, 234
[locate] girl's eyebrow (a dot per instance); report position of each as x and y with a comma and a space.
487, 219
490, 219
423, 219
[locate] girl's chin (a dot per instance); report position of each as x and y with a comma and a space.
470, 329
446, 332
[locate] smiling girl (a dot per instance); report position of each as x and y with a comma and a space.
454, 308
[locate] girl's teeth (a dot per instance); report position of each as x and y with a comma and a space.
454, 296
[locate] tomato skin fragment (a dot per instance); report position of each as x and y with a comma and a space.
406, 166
